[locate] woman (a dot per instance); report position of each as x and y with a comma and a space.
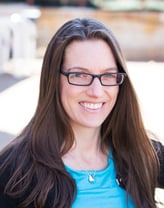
86, 145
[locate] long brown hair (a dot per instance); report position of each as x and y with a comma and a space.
38, 170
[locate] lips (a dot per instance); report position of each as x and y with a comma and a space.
92, 106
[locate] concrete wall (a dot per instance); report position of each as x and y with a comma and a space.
141, 34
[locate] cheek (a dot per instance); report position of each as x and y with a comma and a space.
64, 88
69, 91
113, 95
116, 93
113, 92
65, 95
63, 91
66, 91
69, 101
68, 94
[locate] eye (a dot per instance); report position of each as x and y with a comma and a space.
78, 75
109, 75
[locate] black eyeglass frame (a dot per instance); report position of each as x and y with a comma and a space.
67, 74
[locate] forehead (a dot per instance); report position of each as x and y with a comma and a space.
94, 53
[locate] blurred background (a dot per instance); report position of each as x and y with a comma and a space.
27, 26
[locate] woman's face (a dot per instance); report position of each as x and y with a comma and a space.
88, 106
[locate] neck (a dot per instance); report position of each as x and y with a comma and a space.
87, 139
86, 152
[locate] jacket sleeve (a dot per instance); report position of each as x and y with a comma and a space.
159, 147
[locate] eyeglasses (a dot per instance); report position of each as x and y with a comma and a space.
86, 79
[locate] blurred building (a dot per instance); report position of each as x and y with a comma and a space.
137, 24
18, 34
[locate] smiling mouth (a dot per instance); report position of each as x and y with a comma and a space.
92, 106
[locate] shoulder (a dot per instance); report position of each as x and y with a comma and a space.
159, 148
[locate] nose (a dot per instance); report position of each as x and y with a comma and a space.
95, 89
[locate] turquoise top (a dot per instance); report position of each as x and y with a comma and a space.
104, 192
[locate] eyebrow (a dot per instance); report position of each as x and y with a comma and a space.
85, 69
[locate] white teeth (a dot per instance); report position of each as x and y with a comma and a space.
92, 105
